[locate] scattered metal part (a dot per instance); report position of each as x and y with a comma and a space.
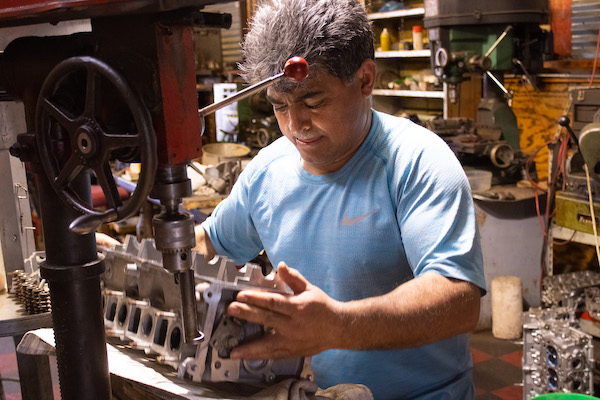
142, 306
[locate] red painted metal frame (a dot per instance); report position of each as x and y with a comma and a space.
179, 131
22, 12
177, 124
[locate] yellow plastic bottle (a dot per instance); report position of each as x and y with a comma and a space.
384, 40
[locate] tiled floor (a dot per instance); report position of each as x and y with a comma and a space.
497, 368
8, 369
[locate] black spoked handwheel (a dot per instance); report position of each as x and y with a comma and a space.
87, 115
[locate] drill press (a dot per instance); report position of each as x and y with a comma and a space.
125, 91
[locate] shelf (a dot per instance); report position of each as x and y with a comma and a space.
403, 54
561, 233
437, 94
411, 12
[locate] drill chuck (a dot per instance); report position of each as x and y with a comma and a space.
174, 236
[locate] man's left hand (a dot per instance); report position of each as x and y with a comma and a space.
302, 324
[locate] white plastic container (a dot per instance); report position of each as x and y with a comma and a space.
480, 180
507, 307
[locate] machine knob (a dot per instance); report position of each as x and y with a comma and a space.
296, 69
565, 122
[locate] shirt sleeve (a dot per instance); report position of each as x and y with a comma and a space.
436, 215
230, 227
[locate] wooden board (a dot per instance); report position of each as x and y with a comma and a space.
538, 112
202, 202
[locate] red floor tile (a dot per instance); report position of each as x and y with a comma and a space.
513, 358
8, 363
479, 356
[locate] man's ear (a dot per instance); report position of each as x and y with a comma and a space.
367, 73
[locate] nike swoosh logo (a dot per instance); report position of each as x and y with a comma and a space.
351, 221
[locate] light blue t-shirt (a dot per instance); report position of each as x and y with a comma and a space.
400, 207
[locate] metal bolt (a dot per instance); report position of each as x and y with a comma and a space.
232, 342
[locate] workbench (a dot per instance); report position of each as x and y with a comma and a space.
134, 376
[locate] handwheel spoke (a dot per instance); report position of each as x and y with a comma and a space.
121, 141
69, 171
87, 122
58, 115
91, 89
108, 185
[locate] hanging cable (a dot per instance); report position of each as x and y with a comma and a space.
589, 187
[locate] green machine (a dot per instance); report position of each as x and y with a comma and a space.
491, 38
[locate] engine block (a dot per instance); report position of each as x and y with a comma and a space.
557, 357
142, 306
567, 290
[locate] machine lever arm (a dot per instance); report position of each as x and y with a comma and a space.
518, 62
500, 85
497, 42
565, 122
296, 69
88, 223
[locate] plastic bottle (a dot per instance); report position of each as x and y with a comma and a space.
417, 37
384, 40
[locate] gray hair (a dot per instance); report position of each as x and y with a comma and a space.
332, 35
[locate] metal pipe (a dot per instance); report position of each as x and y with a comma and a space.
249, 91
296, 69
187, 288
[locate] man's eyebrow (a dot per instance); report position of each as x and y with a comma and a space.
310, 94
300, 98
273, 100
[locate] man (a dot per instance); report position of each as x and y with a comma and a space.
373, 212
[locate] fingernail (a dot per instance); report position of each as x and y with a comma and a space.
241, 297
235, 355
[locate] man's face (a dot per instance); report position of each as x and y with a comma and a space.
325, 119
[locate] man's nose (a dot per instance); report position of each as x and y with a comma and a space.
298, 118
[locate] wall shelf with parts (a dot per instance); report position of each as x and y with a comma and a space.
405, 84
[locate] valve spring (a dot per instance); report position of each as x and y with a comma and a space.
31, 293
42, 299
17, 286
45, 304
24, 294
29, 296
